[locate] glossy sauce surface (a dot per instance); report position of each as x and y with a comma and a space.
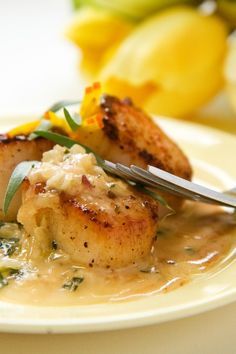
188, 244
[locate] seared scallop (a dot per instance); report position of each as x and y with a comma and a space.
94, 218
12, 152
129, 136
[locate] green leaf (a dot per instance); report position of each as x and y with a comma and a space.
3, 281
8, 245
153, 195
46, 125
156, 196
17, 177
57, 138
67, 142
73, 284
61, 104
73, 123
8, 274
43, 125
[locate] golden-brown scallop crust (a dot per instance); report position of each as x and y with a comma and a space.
138, 136
12, 152
129, 136
105, 233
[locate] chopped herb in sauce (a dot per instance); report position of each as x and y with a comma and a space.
17, 273
117, 209
8, 245
54, 245
161, 232
111, 194
8, 274
149, 270
3, 281
73, 284
190, 250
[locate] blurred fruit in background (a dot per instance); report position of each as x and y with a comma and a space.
230, 71
133, 9
165, 61
168, 57
97, 32
227, 9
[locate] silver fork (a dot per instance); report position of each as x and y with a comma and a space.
165, 181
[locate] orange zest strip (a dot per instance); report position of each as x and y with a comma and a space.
88, 90
47, 115
99, 121
97, 85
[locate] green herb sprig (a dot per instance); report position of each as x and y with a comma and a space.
3, 281
46, 125
7, 274
73, 283
72, 121
8, 245
154, 196
43, 130
68, 143
23, 169
43, 125
16, 179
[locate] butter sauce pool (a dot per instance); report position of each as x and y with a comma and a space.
188, 244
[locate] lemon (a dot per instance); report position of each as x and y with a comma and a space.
227, 9
96, 32
230, 71
134, 9
171, 63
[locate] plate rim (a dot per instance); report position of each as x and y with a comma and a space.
115, 322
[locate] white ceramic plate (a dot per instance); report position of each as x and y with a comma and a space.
212, 155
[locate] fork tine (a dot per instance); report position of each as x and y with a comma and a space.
126, 171
197, 191
161, 184
175, 188
111, 167
162, 180
134, 177
143, 180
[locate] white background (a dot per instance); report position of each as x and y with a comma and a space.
38, 67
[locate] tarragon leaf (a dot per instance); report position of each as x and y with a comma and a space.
8, 246
73, 123
16, 179
72, 285
3, 281
67, 142
43, 125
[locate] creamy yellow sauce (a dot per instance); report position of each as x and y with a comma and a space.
188, 244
